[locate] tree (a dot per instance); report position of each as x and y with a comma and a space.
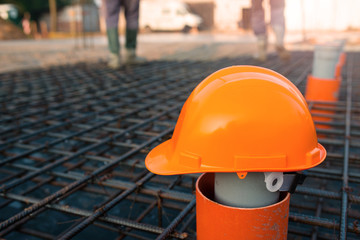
36, 7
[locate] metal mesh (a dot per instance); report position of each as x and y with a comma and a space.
74, 138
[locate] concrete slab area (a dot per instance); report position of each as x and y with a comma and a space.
25, 54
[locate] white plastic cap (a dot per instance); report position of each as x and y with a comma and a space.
274, 180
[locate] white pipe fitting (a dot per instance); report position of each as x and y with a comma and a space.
249, 192
274, 180
326, 57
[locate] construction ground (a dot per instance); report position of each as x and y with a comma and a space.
74, 135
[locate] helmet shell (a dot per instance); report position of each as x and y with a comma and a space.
240, 119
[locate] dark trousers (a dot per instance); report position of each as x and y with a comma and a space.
258, 16
131, 8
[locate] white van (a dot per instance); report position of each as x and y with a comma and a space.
167, 15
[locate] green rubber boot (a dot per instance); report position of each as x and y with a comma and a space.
280, 49
114, 47
262, 48
131, 38
130, 45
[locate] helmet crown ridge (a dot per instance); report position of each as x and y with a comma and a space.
240, 119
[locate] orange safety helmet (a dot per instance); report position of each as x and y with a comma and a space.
240, 119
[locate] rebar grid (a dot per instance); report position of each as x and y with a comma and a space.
74, 138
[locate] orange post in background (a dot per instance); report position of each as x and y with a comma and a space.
324, 90
324, 83
340, 65
320, 89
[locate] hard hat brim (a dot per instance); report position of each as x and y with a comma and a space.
322, 156
160, 161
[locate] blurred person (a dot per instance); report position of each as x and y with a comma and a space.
25, 22
277, 23
131, 8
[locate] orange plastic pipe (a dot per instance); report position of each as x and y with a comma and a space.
338, 70
321, 89
340, 65
326, 90
342, 59
216, 221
